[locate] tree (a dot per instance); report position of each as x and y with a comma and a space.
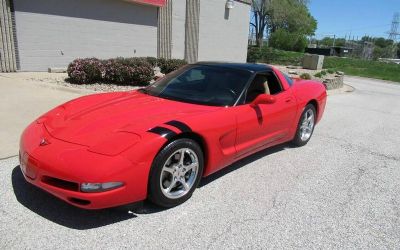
382, 42
260, 16
284, 40
290, 15
398, 50
328, 42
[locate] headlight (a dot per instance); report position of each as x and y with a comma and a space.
115, 143
100, 187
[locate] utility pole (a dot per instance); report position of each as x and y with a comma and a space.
334, 40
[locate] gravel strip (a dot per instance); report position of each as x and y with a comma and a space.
59, 79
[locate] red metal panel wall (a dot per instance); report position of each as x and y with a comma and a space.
159, 3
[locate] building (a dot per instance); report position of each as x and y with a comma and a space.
39, 34
332, 51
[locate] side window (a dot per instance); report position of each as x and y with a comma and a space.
258, 86
265, 83
288, 79
274, 84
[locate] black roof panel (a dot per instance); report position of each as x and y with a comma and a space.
254, 67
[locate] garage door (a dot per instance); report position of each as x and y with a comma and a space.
53, 33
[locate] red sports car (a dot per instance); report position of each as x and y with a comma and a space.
111, 149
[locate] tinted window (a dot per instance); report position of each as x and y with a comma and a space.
288, 79
207, 85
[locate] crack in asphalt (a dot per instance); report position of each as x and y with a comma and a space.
244, 221
355, 147
8, 157
357, 176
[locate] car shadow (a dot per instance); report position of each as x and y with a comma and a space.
60, 212
243, 162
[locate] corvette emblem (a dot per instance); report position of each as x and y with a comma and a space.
43, 142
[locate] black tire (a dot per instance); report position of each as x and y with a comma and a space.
155, 193
297, 140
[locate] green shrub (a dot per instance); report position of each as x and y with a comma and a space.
128, 71
152, 61
305, 76
282, 39
254, 54
331, 71
319, 75
169, 65
88, 70
274, 56
323, 72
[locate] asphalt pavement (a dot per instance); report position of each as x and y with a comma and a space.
342, 190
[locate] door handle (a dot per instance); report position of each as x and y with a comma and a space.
288, 100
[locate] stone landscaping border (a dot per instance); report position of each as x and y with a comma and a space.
335, 82
331, 81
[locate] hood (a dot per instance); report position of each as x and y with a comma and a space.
91, 119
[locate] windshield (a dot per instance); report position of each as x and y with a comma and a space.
201, 84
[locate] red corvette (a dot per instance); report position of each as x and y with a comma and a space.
111, 149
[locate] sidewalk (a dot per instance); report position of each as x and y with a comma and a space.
21, 101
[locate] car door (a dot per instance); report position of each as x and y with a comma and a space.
264, 124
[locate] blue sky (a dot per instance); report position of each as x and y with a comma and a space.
358, 17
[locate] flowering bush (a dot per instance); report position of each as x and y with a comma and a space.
88, 70
152, 61
126, 71
169, 65
129, 71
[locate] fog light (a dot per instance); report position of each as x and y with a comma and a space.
100, 187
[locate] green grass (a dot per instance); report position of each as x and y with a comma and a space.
364, 68
350, 66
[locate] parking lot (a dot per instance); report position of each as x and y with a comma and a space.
342, 190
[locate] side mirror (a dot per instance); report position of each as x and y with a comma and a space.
263, 99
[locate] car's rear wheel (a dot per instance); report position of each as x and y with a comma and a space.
305, 127
175, 173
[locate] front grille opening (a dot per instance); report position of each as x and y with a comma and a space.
79, 201
60, 183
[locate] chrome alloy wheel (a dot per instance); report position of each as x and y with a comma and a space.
179, 173
307, 125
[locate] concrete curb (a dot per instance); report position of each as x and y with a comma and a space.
343, 90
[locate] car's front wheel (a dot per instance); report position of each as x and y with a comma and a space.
305, 127
175, 173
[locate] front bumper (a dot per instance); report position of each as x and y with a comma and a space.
59, 168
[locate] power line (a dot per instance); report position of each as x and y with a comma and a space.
362, 28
